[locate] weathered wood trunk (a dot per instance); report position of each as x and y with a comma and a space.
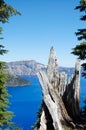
73, 94
61, 99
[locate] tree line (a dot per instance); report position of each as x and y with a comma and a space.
6, 11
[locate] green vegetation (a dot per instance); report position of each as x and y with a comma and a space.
67, 128
6, 11
16, 81
39, 113
5, 116
17, 128
80, 50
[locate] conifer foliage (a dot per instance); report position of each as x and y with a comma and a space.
6, 11
80, 50
5, 116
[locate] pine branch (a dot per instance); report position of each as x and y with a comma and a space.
83, 18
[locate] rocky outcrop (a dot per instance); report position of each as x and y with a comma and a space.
61, 99
30, 67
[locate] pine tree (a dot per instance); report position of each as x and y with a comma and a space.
80, 50
5, 115
6, 11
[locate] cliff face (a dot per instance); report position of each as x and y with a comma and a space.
31, 67
61, 100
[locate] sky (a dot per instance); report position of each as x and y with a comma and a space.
42, 24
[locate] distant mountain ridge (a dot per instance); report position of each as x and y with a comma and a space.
30, 67
68, 70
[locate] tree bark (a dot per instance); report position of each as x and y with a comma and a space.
61, 99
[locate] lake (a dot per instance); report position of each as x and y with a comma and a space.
82, 90
26, 101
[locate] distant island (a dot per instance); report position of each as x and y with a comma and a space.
14, 80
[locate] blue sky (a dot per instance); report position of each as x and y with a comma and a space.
43, 23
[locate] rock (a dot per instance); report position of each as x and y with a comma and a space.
28, 67
31, 67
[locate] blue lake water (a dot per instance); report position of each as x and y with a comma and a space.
82, 90
26, 101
